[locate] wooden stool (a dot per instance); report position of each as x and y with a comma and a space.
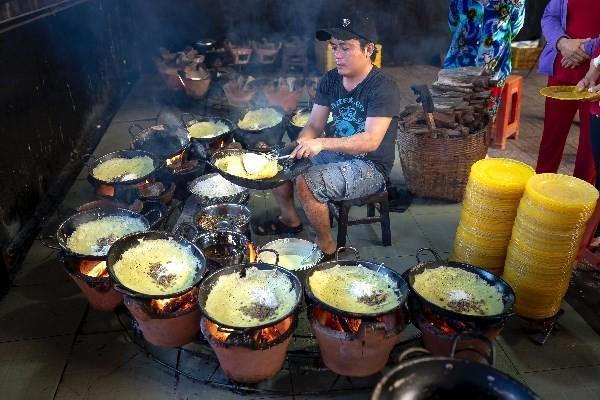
340, 210
509, 113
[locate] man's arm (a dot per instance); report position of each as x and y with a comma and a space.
364, 142
316, 123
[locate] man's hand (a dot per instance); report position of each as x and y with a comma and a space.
572, 51
307, 148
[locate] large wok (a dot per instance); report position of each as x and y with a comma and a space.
449, 378
479, 321
130, 241
291, 168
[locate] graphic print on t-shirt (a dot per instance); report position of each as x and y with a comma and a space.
349, 116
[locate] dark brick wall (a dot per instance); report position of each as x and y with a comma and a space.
60, 77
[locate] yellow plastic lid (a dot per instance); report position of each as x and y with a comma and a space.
502, 174
562, 193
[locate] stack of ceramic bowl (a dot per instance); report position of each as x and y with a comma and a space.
546, 236
490, 204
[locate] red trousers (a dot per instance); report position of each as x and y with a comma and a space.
557, 123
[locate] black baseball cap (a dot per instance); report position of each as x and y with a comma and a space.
352, 27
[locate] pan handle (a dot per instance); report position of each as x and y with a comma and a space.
50, 242
153, 216
356, 253
88, 159
123, 290
186, 118
412, 351
258, 253
489, 356
137, 126
183, 230
424, 250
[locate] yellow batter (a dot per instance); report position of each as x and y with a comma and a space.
458, 290
256, 299
260, 119
234, 165
157, 266
94, 238
123, 169
207, 129
301, 119
354, 289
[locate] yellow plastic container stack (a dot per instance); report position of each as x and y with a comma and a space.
490, 204
546, 236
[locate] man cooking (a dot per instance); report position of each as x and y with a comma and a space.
356, 159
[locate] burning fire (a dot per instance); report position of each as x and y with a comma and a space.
175, 304
340, 324
106, 190
260, 336
176, 161
251, 253
180, 163
93, 268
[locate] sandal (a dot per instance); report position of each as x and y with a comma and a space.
275, 227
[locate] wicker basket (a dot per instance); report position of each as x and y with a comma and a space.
525, 57
439, 167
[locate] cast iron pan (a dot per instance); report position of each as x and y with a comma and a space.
66, 229
165, 141
401, 292
432, 377
292, 168
129, 241
508, 295
208, 283
121, 154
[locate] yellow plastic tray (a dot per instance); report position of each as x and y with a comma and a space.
502, 174
562, 193
568, 93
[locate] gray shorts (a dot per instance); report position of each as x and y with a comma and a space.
337, 176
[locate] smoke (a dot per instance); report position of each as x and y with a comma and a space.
411, 31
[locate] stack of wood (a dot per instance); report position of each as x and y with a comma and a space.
461, 97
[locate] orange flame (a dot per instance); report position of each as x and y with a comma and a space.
93, 268
175, 304
261, 336
106, 190
340, 324
251, 253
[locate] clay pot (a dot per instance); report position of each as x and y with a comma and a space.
439, 343
173, 330
361, 354
98, 292
245, 364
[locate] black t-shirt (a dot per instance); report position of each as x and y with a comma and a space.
376, 96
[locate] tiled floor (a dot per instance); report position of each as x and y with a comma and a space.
53, 346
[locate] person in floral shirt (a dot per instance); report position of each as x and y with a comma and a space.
482, 31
